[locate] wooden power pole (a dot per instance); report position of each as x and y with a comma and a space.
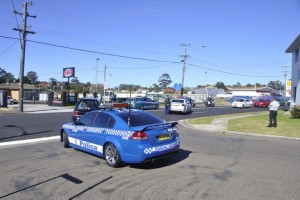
24, 32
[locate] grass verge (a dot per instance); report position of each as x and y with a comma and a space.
258, 124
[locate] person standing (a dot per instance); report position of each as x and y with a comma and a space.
167, 104
273, 107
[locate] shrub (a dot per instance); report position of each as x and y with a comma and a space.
295, 112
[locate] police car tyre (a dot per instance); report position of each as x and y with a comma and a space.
112, 156
65, 140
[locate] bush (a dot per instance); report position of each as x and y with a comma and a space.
295, 112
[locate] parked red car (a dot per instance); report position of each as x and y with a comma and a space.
262, 103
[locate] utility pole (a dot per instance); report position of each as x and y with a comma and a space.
23, 47
97, 76
183, 68
285, 75
206, 83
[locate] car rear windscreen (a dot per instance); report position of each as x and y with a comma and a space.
140, 118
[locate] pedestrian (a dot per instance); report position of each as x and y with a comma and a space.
167, 104
273, 107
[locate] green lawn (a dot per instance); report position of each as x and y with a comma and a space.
258, 124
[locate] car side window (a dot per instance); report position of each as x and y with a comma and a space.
104, 120
87, 119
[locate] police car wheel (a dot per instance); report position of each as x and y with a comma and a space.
112, 156
65, 140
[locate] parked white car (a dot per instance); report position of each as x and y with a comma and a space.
242, 103
180, 105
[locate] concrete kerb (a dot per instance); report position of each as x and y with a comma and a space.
219, 125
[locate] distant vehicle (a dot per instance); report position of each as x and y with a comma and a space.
83, 106
192, 102
143, 103
109, 134
11, 101
262, 103
209, 102
242, 103
180, 105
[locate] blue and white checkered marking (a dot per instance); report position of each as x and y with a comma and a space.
161, 148
125, 135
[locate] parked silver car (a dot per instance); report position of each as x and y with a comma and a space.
10, 100
180, 105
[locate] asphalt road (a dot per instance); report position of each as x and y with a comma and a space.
30, 125
208, 166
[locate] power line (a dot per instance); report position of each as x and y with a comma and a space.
138, 58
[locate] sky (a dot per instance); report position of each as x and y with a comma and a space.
227, 41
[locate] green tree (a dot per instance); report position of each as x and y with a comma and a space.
276, 85
6, 77
221, 85
164, 80
32, 77
52, 83
156, 87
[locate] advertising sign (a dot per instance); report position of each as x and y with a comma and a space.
288, 87
69, 72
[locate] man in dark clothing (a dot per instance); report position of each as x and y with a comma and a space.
167, 105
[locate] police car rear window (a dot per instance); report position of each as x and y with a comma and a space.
140, 118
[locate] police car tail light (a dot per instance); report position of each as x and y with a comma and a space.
139, 135
75, 112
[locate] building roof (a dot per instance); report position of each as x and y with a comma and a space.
15, 86
251, 89
294, 46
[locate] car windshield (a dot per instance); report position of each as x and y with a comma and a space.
140, 118
240, 100
178, 100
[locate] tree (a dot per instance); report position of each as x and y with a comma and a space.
32, 77
220, 85
164, 80
155, 87
276, 85
52, 83
75, 80
6, 77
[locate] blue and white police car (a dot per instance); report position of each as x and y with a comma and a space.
122, 136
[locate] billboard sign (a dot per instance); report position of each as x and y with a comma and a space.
69, 72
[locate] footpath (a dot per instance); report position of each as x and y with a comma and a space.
34, 108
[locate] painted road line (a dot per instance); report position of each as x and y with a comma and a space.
4, 144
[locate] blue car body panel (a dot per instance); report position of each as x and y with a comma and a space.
163, 138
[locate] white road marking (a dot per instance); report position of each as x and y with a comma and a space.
19, 142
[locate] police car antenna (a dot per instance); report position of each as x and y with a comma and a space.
129, 104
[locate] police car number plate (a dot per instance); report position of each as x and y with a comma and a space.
164, 137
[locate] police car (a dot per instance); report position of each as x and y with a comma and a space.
122, 136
